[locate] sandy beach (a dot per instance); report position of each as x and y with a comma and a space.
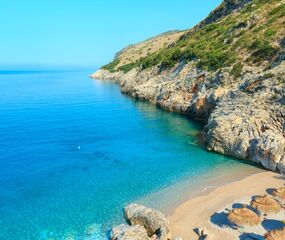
197, 211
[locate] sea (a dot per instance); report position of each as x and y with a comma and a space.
74, 151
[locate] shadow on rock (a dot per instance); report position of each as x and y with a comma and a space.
238, 205
271, 224
270, 190
250, 236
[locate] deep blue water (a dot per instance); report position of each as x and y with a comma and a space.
74, 151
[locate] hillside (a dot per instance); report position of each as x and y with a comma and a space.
141, 50
253, 34
228, 71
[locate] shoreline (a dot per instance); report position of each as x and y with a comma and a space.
196, 212
192, 208
168, 199
230, 127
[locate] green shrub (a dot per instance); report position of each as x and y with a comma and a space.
278, 11
170, 58
276, 14
213, 60
262, 51
237, 70
210, 27
268, 75
149, 61
270, 33
188, 55
111, 66
274, 97
128, 67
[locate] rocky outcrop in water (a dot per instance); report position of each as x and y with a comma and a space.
126, 232
145, 223
153, 220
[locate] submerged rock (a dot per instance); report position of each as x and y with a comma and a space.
152, 220
126, 232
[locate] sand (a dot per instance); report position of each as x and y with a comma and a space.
197, 211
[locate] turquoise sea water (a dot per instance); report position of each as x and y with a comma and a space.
74, 151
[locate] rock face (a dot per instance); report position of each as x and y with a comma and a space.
225, 9
245, 119
248, 128
242, 105
153, 220
125, 232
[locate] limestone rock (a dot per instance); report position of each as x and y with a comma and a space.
244, 118
153, 220
126, 232
220, 12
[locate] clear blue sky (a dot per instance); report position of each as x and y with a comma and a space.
87, 32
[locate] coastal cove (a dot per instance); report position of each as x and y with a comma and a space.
75, 151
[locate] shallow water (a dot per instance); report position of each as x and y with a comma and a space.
74, 151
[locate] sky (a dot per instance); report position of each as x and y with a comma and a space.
87, 32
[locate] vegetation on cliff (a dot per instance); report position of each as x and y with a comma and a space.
252, 35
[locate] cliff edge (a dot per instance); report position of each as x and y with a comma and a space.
228, 71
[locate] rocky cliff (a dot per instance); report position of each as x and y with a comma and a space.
228, 71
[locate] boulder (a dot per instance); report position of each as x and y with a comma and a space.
152, 220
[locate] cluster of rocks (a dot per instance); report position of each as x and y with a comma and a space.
243, 117
148, 224
143, 224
